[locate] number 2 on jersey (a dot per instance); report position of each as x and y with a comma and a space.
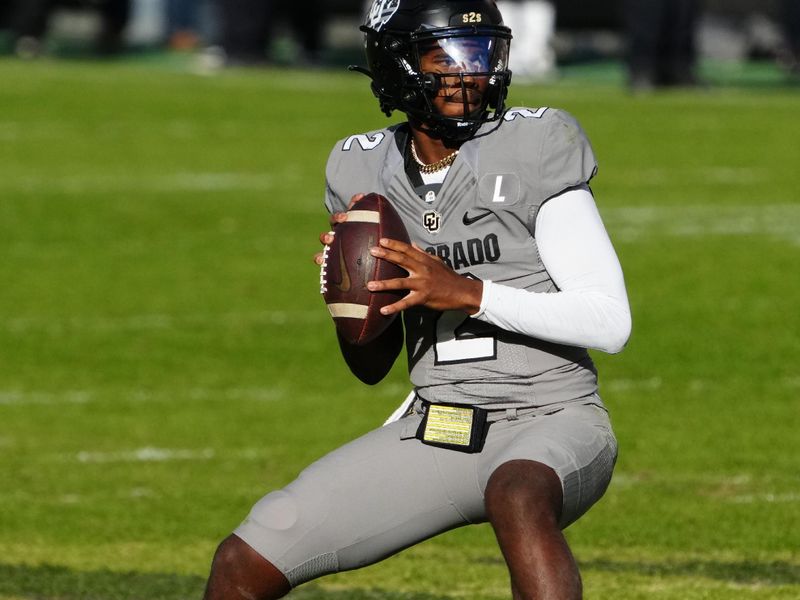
453, 345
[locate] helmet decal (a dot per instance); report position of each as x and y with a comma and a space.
380, 13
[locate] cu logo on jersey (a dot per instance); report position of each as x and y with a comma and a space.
432, 221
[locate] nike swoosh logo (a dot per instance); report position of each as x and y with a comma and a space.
467, 220
344, 286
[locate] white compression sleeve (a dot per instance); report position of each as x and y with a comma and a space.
591, 308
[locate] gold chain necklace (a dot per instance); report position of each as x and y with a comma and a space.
432, 168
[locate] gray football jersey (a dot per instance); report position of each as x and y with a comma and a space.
481, 222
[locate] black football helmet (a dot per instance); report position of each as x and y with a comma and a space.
469, 42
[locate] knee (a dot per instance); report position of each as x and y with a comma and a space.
524, 489
235, 560
231, 554
239, 571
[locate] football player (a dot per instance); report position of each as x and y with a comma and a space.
511, 277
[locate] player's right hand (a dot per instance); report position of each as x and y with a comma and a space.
326, 238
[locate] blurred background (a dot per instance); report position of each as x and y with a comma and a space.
660, 42
165, 357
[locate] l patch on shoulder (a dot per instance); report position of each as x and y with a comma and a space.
499, 189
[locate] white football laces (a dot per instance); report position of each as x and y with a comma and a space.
323, 270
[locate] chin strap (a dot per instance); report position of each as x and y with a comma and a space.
429, 84
362, 70
441, 129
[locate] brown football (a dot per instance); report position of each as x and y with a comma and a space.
348, 266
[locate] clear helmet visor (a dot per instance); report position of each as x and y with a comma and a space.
468, 54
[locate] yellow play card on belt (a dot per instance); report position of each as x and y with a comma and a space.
449, 425
454, 427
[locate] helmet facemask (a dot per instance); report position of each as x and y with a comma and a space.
456, 80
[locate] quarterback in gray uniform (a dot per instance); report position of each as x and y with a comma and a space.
511, 278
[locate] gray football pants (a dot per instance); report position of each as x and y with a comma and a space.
387, 491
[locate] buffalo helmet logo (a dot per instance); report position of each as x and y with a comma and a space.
380, 12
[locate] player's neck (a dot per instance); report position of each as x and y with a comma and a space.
430, 149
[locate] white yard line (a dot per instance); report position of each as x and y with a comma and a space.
700, 175
33, 397
176, 182
766, 498
633, 223
145, 322
623, 385
36, 398
149, 454
146, 454
730, 489
629, 385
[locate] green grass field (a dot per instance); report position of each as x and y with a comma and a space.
165, 358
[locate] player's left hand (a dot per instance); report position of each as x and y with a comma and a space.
430, 282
